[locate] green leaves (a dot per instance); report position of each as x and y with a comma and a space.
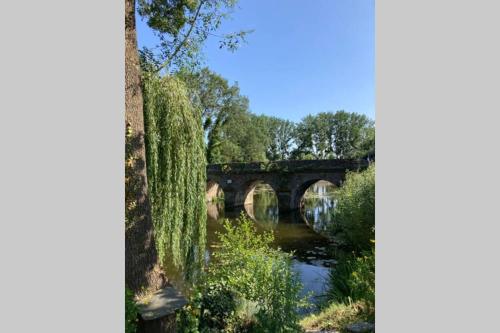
249, 286
176, 168
182, 26
354, 213
166, 16
335, 135
279, 137
353, 279
234, 134
131, 312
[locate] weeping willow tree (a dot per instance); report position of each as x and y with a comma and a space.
176, 170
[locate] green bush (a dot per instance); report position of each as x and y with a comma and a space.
131, 312
354, 213
248, 287
351, 294
353, 279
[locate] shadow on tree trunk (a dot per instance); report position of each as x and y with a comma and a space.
141, 258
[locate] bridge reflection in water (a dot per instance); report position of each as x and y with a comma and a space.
296, 231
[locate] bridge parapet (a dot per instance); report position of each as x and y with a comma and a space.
287, 166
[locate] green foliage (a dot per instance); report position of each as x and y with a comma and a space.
351, 294
182, 26
353, 278
354, 213
256, 292
334, 135
234, 134
280, 135
131, 312
188, 318
367, 145
349, 133
211, 93
176, 170
166, 16
225, 116
241, 139
131, 183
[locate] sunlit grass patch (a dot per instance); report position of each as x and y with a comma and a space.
337, 316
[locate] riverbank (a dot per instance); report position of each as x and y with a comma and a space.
339, 317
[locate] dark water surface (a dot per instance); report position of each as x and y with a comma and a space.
298, 232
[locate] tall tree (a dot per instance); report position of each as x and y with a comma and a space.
306, 138
241, 139
141, 259
349, 130
280, 135
211, 93
219, 134
181, 25
284, 138
334, 135
367, 146
219, 102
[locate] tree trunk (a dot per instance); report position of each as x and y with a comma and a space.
141, 261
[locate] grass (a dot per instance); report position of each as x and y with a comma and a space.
144, 297
337, 316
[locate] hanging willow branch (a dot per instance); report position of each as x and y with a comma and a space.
176, 167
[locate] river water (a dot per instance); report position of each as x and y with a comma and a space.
298, 233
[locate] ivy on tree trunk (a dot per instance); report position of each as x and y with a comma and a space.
141, 259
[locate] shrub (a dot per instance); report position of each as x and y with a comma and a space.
354, 213
131, 312
249, 286
353, 278
351, 294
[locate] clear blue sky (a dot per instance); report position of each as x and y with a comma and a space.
304, 57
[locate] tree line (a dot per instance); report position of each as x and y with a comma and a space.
234, 134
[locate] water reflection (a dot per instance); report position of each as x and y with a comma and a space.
318, 204
314, 279
185, 277
215, 210
298, 232
264, 209
310, 257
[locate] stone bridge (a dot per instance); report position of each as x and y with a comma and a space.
289, 179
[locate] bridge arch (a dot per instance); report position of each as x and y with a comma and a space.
300, 189
244, 197
213, 190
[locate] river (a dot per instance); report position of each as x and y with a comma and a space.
298, 232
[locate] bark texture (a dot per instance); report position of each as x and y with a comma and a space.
142, 270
